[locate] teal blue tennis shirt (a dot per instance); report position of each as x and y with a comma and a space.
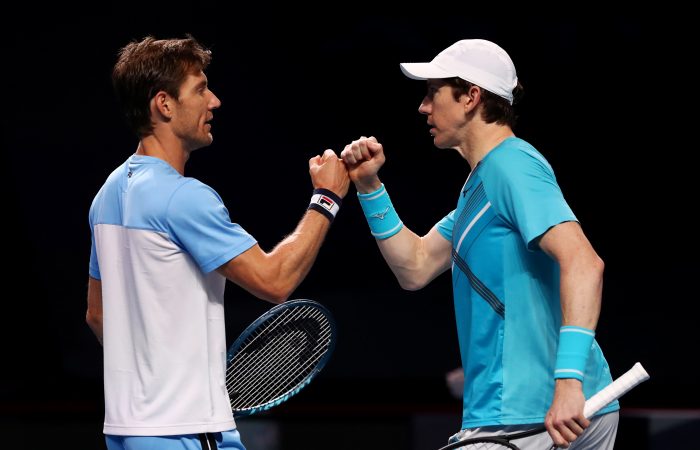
506, 290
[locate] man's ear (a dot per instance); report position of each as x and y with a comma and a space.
472, 98
162, 104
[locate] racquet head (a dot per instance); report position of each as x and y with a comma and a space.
278, 355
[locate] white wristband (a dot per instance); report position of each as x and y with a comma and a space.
325, 202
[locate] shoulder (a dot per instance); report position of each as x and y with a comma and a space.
114, 178
193, 190
515, 159
110, 187
514, 154
194, 201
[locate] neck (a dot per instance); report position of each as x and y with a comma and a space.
480, 141
172, 153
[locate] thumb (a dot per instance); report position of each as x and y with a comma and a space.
314, 161
374, 147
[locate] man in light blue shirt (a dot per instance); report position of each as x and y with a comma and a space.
163, 246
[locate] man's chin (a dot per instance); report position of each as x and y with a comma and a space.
438, 144
204, 142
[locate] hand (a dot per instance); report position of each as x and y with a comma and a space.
329, 172
364, 157
455, 382
565, 420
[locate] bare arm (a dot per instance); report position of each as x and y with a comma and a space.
581, 278
275, 275
93, 317
414, 260
581, 287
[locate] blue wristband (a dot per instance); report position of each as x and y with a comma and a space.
572, 354
381, 216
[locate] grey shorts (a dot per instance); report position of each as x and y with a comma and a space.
600, 435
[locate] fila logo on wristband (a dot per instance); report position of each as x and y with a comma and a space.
325, 202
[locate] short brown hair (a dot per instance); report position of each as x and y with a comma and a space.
496, 108
149, 66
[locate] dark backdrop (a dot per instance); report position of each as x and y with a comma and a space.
609, 101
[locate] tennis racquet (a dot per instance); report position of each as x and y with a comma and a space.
613, 391
278, 354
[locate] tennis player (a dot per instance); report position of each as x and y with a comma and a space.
527, 283
163, 245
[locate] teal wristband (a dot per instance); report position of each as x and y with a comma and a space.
572, 354
381, 216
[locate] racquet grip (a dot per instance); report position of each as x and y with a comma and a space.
615, 390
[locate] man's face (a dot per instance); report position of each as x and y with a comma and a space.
193, 112
446, 116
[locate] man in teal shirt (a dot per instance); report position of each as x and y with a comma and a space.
527, 283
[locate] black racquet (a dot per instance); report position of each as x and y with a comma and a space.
613, 391
278, 355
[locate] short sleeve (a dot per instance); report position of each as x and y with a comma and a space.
198, 222
445, 225
521, 186
94, 267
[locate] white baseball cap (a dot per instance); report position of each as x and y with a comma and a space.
478, 61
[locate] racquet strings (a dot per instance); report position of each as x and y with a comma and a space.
495, 442
278, 356
489, 446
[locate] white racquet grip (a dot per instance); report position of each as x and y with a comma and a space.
615, 390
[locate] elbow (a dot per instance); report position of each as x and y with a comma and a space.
93, 320
260, 284
277, 298
598, 267
275, 292
411, 284
411, 287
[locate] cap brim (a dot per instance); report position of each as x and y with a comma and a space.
424, 71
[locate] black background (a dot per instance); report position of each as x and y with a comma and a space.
609, 100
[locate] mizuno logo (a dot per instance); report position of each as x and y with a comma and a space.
380, 215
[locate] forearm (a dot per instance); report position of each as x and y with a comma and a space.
284, 268
406, 256
95, 324
414, 260
581, 291
581, 287
93, 316
291, 260
581, 274
274, 275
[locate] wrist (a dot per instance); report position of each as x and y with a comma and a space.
572, 354
325, 202
367, 186
381, 216
568, 383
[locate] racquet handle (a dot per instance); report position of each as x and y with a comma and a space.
615, 390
